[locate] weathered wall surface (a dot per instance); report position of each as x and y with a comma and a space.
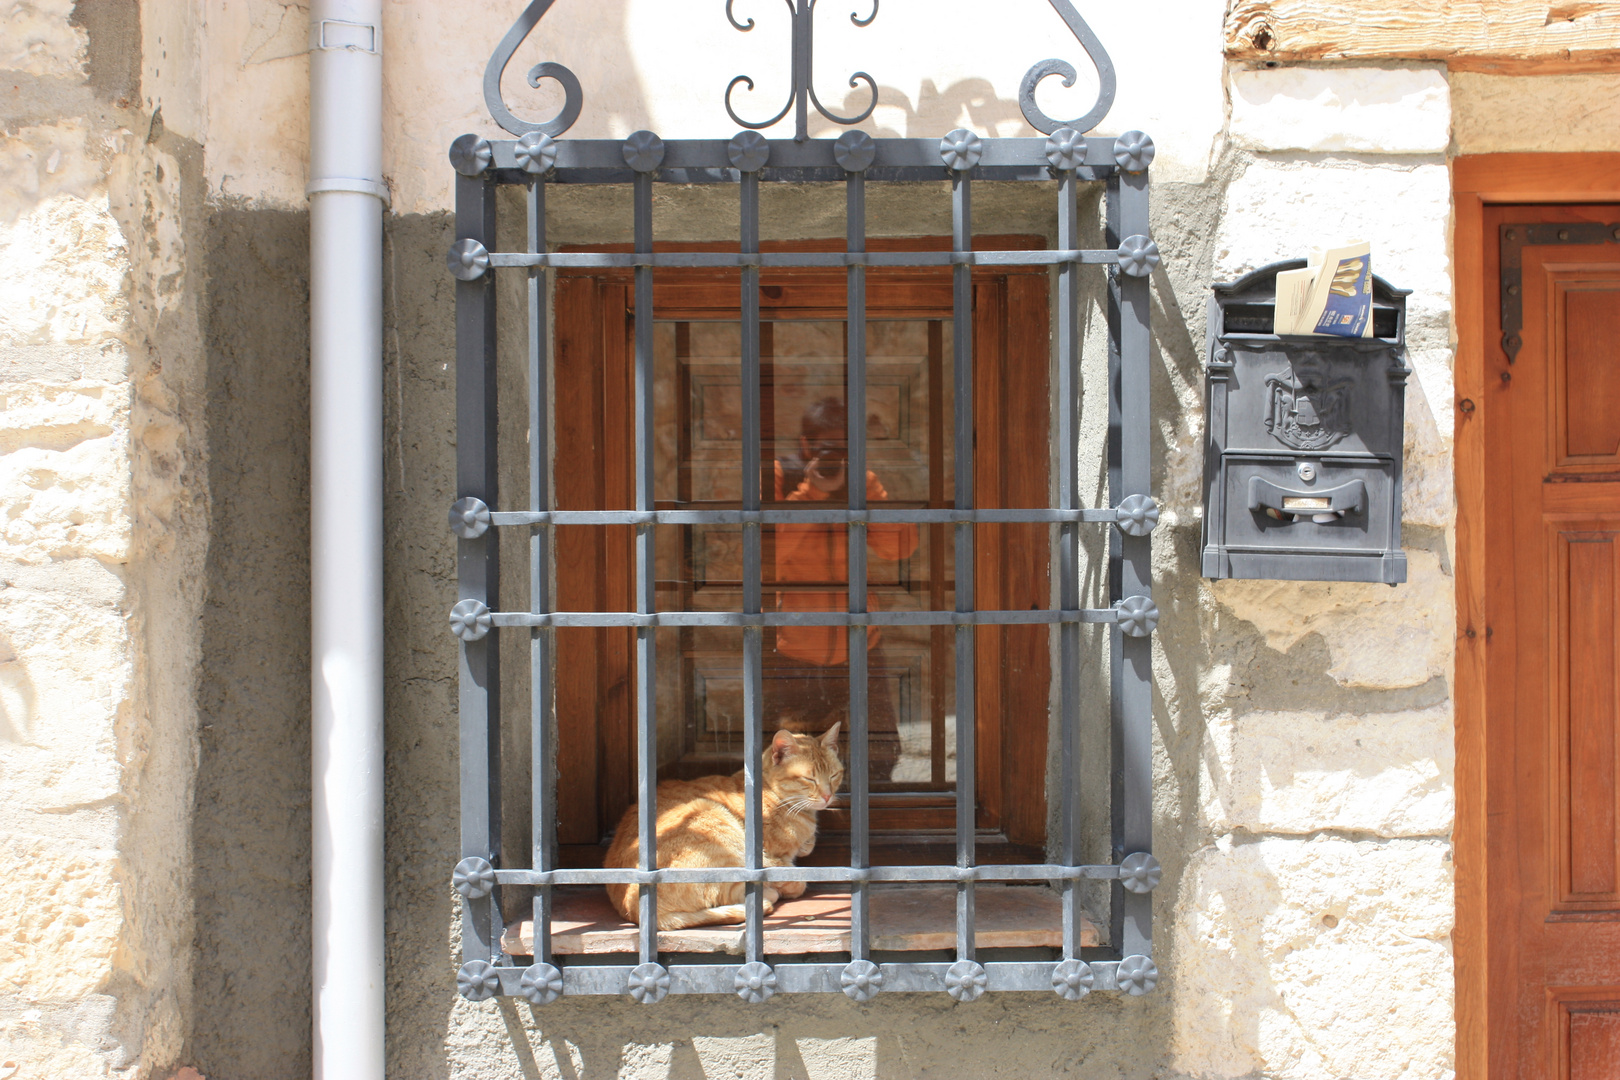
99, 438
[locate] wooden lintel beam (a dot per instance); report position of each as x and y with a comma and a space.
1479, 35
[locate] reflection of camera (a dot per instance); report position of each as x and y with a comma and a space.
826, 473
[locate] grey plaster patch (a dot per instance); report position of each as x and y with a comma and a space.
251, 825
114, 31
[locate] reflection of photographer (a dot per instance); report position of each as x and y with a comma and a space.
809, 683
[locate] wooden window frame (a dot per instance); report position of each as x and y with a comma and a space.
593, 385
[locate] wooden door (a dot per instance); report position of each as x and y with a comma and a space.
1552, 549
696, 466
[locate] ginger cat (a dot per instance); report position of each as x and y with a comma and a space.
700, 824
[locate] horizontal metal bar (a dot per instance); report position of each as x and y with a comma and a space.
591, 260
835, 874
787, 155
803, 618
1103, 515
585, 980
800, 175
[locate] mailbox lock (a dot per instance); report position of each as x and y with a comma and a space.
1307, 471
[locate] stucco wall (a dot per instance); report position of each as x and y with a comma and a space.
155, 789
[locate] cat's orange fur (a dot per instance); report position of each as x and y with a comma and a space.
700, 824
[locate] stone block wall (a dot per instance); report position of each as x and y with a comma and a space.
98, 538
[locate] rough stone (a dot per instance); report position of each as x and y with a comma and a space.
60, 919
1379, 636
1315, 959
1494, 114
40, 39
1365, 110
1385, 773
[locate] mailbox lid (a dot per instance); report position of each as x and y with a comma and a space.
1306, 396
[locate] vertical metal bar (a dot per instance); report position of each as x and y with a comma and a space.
542, 778
1068, 553
753, 642
803, 35
1132, 670
477, 567
646, 555
860, 841
966, 762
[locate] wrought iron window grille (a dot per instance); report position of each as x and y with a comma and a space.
535, 159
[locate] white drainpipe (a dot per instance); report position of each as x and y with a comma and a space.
347, 200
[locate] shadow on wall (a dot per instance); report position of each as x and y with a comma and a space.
970, 102
250, 827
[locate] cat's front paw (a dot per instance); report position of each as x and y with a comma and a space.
771, 897
806, 848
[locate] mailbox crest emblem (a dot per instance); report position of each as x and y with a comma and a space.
1309, 409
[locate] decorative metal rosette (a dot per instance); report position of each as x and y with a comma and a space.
965, 980
469, 517
649, 983
854, 151
748, 151
1138, 514
470, 620
1072, 979
1137, 975
536, 153
1138, 255
755, 982
961, 150
1066, 149
467, 259
471, 154
478, 980
1140, 872
643, 151
861, 980
474, 877
1138, 615
541, 983
1133, 151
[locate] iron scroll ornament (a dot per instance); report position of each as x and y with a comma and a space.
573, 94
804, 94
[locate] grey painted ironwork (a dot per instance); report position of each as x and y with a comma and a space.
537, 159
1303, 466
541, 983
1073, 980
1513, 237
755, 982
861, 980
474, 877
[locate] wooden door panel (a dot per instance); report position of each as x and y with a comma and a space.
1583, 1032
1584, 303
1587, 857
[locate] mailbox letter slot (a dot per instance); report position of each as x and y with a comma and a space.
1322, 507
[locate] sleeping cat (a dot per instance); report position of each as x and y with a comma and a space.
700, 824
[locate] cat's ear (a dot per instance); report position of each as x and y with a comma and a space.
829, 738
781, 745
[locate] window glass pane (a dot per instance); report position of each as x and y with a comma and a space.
804, 566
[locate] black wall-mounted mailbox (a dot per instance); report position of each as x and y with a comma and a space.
1302, 469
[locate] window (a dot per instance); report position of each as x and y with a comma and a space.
672, 599
910, 453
